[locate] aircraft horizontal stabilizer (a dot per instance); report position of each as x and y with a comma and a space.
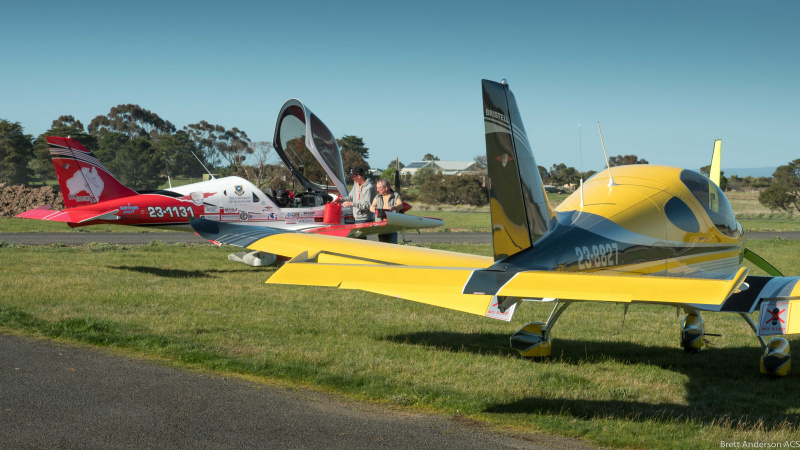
622, 288
444, 287
74, 215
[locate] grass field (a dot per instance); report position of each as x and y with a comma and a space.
188, 306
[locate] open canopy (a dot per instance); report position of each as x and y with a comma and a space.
304, 144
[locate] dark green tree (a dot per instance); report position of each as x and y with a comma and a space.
453, 190
394, 164
175, 152
419, 177
137, 164
560, 175
430, 157
353, 160
784, 192
67, 121
16, 150
544, 174
621, 160
110, 145
220, 146
132, 120
349, 143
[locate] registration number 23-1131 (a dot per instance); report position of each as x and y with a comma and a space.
602, 255
170, 211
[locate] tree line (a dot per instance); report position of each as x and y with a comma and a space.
142, 150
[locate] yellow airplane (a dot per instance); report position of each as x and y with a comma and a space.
631, 234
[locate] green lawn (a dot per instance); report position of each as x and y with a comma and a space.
187, 306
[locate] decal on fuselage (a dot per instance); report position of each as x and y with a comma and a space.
170, 211
603, 255
87, 180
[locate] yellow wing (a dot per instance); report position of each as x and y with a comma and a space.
439, 277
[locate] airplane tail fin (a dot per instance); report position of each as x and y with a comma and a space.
82, 177
715, 171
520, 211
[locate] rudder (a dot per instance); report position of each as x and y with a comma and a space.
520, 211
81, 176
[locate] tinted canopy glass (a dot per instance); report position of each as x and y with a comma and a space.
713, 201
308, 148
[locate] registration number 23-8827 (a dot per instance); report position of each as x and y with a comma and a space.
602, 255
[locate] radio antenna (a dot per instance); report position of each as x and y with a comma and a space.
610, 178
580, 156
204, 166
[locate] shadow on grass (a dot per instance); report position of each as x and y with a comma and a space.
722, 384
479, 344
177, 273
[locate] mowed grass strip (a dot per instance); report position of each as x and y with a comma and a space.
614, 386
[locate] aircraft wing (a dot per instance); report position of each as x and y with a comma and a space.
448, 279
70, 215
394, 222
332, 249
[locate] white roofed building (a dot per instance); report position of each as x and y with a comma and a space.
445, 167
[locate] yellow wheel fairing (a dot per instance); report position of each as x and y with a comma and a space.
692, 332
530, 341
777, 358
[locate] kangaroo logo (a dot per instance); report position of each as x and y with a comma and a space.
87, 180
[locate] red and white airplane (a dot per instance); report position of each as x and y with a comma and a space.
92, 195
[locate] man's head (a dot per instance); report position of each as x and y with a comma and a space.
357, 175
383, 186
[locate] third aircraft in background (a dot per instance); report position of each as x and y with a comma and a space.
92, 195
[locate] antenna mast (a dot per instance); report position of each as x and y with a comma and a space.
580, 155
610, 178
204, 166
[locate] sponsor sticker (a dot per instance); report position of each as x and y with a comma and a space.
128, 209
229, 217
197, 197
211, 209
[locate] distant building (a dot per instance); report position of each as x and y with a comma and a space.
445, 167
375, 173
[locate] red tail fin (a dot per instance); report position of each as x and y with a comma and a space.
82, 178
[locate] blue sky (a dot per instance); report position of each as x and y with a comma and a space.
664, 79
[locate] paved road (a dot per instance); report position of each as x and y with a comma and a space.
76, 238
57, 396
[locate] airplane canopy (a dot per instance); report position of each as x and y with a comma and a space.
302, 141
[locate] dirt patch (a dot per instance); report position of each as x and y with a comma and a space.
19, 198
